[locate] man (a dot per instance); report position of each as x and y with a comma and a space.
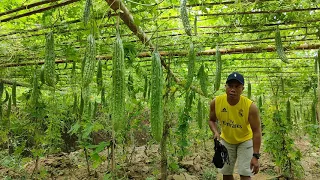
240, 128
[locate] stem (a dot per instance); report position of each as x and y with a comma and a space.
35, 167
10, 146
87, 160
113, 154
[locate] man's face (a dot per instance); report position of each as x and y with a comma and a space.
234, 89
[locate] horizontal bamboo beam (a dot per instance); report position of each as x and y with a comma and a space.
213, 27
41, 28
240, 13
226, 43
183, 53
208, 4
11, 82
250, 68
31, 63
37, 11
27, 7
170, 30
263, 12
179, 29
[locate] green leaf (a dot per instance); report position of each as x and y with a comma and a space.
74, 129
101, 146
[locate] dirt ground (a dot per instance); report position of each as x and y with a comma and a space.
143, 163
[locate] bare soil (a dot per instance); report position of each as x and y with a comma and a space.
143, 162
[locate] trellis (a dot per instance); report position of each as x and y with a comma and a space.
247, 46
142, 36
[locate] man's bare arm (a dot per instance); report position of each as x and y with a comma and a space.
213, 120
255, 124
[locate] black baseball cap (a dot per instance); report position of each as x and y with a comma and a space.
236, 76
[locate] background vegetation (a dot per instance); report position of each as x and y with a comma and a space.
94, 75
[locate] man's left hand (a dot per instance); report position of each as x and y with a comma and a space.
254, 165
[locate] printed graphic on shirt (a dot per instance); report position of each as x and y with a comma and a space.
241, 112
231, 124
224, 110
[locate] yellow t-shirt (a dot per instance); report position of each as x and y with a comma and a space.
233, 120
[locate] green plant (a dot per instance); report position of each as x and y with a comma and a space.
281, 146
209, 174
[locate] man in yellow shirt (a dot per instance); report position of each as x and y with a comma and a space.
240, 127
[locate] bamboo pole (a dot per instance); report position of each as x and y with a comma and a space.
10, 82
181, 53
27, 7
37, 11
263, 12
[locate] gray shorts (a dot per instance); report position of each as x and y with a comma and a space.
242, 153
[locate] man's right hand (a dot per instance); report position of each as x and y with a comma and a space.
216, 136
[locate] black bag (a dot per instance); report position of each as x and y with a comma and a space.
221, 155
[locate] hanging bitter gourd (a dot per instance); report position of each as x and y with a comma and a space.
130, 83
149, 90
282, 86
200, 114
87, 10
190, 101
9, 108
156, 97
118, 85
90, 61
95, 109
103, 98
4, 101
50, 72
99, 76
75, 103
318, 60
279, 47
218, 69
89, 110
288, 117
191, 64
35, 93
145, 89
195, 25
81, 109
1, 90
316, 65
14, 93
313, 113
203, 77
73, 73
89, 66
260, 103
184, 17
6, 98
